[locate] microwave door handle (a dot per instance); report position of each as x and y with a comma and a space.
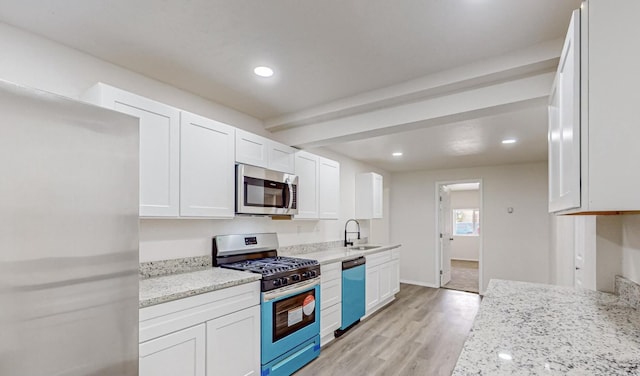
290, 196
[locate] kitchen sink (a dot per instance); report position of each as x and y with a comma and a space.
363, 247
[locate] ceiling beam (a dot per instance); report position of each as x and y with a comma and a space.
533, 60
449, 108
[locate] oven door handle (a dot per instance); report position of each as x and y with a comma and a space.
275, 294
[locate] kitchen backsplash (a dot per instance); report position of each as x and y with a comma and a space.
175, 266
628, 292
190, 264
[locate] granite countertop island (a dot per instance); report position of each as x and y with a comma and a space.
534, 329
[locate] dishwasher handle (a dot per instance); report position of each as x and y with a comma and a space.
353, 263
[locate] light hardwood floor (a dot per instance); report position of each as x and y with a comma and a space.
464, 276
420, 333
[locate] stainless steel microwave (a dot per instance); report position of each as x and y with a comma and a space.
265, 192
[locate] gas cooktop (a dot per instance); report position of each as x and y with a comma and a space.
271, 265
257, 253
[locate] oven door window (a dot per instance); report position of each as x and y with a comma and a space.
264, 193
293, 313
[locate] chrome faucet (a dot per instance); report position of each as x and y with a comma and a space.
346, 242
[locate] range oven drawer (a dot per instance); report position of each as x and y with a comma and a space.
289, 320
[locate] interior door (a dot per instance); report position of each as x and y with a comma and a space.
445, 235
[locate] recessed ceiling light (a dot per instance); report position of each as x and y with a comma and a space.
397, 154
263, 71
509, 141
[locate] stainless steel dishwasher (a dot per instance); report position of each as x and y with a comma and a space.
353, 293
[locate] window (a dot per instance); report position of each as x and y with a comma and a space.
466, 222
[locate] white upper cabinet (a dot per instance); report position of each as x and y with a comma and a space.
282, 157
329, 189
318, 187
307, 170
207, 174
603, 34
259, 151
159, 147
368, 195
252, 149
564, 125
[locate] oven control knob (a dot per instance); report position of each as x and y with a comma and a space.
295, 277
305, 275
313, 273
277, 282
285, 280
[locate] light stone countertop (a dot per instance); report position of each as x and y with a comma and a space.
170, 287
339, 254
176, 286
534, 329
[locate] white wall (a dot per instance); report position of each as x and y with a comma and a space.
465, 247
561, 255
515, 246
33, 61
631, 247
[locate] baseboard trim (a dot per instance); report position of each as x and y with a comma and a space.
419, 283
459, 259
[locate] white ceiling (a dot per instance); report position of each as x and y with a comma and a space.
322, 51
465, 144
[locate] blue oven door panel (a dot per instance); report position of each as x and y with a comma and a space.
272, 348
292, 361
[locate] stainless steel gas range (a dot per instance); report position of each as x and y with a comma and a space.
290, 315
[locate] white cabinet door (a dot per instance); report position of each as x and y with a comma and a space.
330, 321
395, 277
377, 196
207, 175
180, 353
329, 189
564, 125
372, 288
252, 149
159, 147
368, 196
307, 169
330, 292
385, 281
233, 344
281, 157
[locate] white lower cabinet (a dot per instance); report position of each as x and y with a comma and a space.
237, 337
217, 333
372, 288
180, 353
383, 279
330, 301
395, 271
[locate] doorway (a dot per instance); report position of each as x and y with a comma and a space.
459, 234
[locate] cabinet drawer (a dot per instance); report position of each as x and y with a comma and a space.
331, 271
330, 292
169, 317
378, 258
330, 320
